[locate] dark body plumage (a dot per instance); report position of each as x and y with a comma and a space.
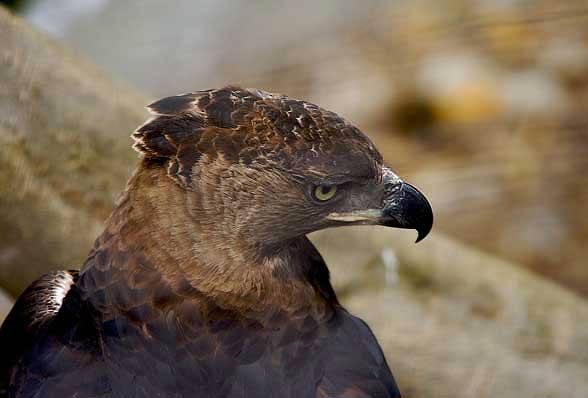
195, 289
130, 334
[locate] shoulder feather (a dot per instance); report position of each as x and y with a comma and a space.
32, 313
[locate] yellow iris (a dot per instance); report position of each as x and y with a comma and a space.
325, 192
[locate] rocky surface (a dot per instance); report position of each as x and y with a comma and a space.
456, 322
6, 302
64, 152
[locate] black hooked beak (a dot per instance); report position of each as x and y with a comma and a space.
404, 206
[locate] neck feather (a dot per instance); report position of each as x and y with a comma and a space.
153, 238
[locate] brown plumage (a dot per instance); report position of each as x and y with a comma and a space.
203, 283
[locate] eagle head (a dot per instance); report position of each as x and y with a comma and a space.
272, 168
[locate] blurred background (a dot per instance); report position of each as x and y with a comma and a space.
483, 104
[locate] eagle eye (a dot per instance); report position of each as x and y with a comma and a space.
323, 193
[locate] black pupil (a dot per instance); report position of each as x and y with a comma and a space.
325, 190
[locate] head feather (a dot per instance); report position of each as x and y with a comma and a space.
249, 126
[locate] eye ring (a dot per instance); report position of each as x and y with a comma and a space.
324, 193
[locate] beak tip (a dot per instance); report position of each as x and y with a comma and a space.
422, 234
427, 225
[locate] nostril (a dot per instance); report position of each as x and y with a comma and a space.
392, 194
392, 189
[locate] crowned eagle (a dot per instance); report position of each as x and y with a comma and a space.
203, 283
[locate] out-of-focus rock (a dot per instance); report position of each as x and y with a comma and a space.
533, 93
5, 304
463, 87
565, 55
64, 152
455, 322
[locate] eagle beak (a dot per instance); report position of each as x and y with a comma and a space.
406, 207
403, 206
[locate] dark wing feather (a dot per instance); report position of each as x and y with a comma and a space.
355, 366
32, 313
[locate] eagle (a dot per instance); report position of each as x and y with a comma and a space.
203, 283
